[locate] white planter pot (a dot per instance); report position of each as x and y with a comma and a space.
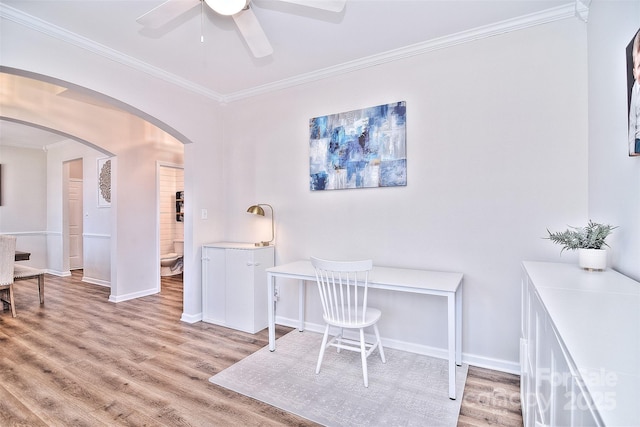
592, 259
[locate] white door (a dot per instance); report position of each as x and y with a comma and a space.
75, 224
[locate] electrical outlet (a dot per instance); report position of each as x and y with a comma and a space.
276, 293
203, 214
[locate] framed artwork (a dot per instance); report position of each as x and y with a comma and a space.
633, 93
359, 149
104, 183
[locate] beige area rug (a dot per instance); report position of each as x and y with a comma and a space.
409, 390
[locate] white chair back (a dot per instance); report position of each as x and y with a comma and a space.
343, 287
7, 258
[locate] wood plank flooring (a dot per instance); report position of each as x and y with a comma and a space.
79, 360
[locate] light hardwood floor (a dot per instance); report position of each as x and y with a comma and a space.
79, 360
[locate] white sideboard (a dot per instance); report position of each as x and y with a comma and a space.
579, 347
234, 285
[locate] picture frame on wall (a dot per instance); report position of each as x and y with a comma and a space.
633, 93
104, 183
359, 149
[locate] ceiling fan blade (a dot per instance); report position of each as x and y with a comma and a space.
330, 5
165, 12
253, 33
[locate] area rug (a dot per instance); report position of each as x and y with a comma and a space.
409, 390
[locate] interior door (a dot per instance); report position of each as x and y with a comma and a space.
75, 224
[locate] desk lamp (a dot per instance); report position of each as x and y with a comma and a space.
257, 210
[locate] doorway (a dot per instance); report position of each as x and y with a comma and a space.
74, 207
170, 184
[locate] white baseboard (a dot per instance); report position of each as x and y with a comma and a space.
441, 353
58, 273
491, 363
191, 318
99, 282
133, 295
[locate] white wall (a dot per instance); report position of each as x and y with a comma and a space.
135, 270
614, 177
497, 152
96, 220
23, 212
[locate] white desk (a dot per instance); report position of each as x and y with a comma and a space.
448, 285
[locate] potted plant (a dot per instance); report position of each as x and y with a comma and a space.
589, 241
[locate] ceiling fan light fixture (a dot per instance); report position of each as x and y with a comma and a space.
227, 7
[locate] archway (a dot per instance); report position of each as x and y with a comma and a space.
136, 144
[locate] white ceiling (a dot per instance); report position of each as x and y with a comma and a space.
306, 42
19, 135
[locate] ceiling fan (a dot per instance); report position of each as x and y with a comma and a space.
239, 10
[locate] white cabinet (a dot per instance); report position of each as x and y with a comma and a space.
234, 285
579, 347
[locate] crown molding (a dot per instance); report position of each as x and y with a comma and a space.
582, 9
37, 24
578, 9
526, 21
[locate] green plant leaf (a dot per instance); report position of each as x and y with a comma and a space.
590, 237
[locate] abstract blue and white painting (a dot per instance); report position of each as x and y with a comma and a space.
359, 149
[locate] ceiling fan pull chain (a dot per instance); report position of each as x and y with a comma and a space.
201, 21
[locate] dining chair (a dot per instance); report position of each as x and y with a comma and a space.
24, 272
343, 287
7, 258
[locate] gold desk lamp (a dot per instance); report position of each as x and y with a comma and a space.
257, 210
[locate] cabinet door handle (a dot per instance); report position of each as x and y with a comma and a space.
252, 264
